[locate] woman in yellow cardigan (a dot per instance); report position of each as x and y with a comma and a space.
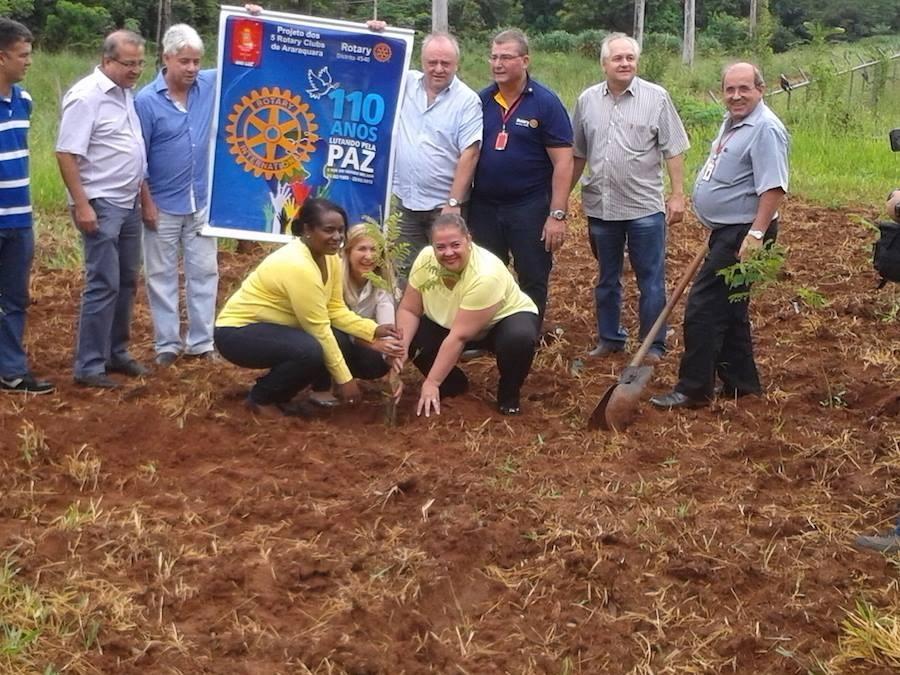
289, 316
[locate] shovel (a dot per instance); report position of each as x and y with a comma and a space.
618, 406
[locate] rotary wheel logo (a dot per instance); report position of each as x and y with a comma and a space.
382, 52
271, 132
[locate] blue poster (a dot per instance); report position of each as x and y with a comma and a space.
305, 107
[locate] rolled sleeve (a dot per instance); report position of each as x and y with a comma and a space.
672, 137
75, 127
471, 124
769, 155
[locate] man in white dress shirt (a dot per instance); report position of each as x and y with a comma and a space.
101, 157
438, 143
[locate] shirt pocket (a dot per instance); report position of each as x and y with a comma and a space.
638, 138
729, 168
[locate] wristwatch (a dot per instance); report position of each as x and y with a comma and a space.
558, 214
756, 234
452, 202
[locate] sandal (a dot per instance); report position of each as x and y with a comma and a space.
509, 409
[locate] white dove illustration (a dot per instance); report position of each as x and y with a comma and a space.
320, 83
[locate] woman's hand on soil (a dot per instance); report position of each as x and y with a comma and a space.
429, 399
349, 392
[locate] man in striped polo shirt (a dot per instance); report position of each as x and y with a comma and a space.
16, 233
625, 128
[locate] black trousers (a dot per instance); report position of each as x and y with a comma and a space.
294, 357
512, 340
717, 338
516, 228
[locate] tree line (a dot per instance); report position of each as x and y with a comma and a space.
79, 24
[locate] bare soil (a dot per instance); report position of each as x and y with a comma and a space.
203, 540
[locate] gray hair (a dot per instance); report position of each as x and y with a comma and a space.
441, 35
604, 46
758, 80
449, 220
512, 35
117, 38
180, 36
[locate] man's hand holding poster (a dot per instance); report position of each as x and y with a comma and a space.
305, 107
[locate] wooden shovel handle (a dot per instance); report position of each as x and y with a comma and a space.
670, 305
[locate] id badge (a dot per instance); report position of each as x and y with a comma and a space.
502, 138
708, 169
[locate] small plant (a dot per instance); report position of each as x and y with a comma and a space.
811, 297
870, 635
391, 253
32, 441
759, 271
82, 468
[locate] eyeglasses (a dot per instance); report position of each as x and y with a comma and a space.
130, 64
503, 58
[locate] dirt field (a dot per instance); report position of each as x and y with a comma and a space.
160, 529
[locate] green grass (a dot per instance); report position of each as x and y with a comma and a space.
833, 164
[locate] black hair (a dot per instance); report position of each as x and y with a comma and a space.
11, 32
311, 213
449, 220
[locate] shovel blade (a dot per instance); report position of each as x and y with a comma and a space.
618, 407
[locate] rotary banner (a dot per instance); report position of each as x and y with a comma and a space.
305, 107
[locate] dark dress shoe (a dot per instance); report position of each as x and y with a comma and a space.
166, 359
675, 399
98, 381
131, 368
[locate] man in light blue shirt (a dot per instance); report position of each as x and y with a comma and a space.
176, 112
736, 195
438, 143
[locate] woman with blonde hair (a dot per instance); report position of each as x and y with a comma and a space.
360, 257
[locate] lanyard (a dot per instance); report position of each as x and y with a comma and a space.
724, 141
505, 115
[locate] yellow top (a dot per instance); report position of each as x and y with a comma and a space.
483, 283
287, 288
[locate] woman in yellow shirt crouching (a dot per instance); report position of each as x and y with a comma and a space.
289, 316
461, 296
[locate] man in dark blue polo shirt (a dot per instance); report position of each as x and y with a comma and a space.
16, 233
524, 171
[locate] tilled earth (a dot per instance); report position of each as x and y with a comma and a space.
166, 531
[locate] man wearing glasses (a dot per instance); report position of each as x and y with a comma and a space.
524, 170
100, 151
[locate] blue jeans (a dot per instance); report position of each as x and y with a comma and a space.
516, 228
112, 261
646, 239
181, 234
16, 253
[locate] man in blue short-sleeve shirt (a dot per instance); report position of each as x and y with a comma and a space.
524, 171
736, 195
16, 233
176, 112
